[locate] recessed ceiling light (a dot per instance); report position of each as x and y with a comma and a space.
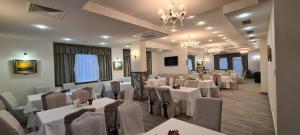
105, 36
127, 46
210, 40
173, 30
215, 32
243, 15
67, 39
190, 17
254, 43
209, 28
102, 43
221, 35
252, 40
160, 50
227, 40
201, 23
224, 38
173, 40
163, 38
251, 35
248, 28
40, 26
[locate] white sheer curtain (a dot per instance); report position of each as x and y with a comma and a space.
223, 64
86, 68
238, 65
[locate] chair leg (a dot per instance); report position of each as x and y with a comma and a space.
151, 107
165, 107
116, 96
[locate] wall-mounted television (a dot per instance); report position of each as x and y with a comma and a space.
171, 61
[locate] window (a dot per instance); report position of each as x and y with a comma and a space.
86, 68
190, 64
223, 63
238, 65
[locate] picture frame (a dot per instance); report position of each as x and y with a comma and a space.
25, 66
117, 65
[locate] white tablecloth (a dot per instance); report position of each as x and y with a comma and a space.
206, 83
188, 95
184, 128
226, 80
51, 122
158, 82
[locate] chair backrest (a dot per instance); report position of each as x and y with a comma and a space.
179, 82
53, 100
128, 94
153, 94
83, 95
9, 125
165, 94
208, 113
110, 111
9, 100
71, 117
89, 123
131, 119
2, 106
67, 86
204, 91
191, 83
215, 92
115, 86
43, 89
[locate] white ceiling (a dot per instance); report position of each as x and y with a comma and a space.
84, 26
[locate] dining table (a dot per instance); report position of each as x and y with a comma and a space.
51, 122
187, 95
183, 128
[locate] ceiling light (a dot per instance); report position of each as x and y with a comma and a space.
160, 50
102, 43
163, 38
67, 39
224, 38
173, 30
215, 32
105, 36
252, 40
127, 46
227, 40
41, 26
248, 28
251, 35
210, 40
172, 14
173, 40
201, 23
214, 50
189, 44
209, 28
191, 17
243, 52
254, 43
221, 35
243, 15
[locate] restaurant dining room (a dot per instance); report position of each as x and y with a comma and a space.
149, 67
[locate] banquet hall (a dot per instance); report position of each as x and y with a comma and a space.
149, 67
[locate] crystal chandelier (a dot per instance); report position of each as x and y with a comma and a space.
214, 50
172, 14
189, 44
243, 52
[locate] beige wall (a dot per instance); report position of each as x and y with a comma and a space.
23, 85
254, 61
287, 39
264, 66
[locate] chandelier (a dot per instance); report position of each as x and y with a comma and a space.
172, 14
189, 44
214, 50
243, 52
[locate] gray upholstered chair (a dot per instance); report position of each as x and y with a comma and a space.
116, 88
9, 125
154, 100
53, 100
208, 113
111, 117
71, 117
215, 92
68, 86
14, 107
191, 83
170, 107
83, 95
204, 92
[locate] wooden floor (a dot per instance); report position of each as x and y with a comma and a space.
245, 112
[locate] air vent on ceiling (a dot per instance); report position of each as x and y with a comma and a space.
35, 8
245, 22
149, 35
250, 32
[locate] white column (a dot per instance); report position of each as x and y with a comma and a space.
138, 57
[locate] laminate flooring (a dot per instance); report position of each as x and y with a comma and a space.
245, 112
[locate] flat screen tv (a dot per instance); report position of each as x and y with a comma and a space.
171, 61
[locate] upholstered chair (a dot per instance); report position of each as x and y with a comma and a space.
111, 117
204, 91
170, 107
234, 85
53, 100
215, 92
89, 123
242, 79
154, 100
71, 117
68, 86
83, 94
208, 113
116, 88
179, 82
191, 83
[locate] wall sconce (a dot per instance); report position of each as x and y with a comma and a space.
25, 56
134, 56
